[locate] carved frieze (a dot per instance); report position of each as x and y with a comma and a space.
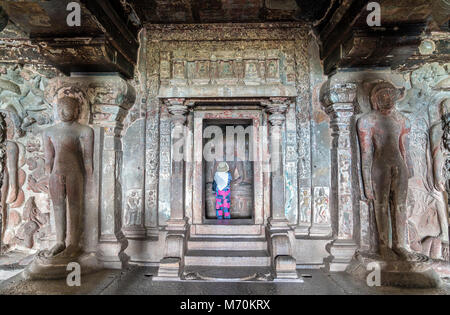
181, 68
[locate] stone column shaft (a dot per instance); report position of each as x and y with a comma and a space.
276, 120
177, 180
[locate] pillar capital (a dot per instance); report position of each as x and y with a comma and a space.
334, 96
277, 112
177, 109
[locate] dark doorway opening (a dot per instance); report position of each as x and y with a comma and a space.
235, 138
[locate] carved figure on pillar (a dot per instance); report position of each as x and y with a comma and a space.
383, 135
69, 158
12, 196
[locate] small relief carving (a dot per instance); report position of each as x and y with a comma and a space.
37, 179
152, 196
321, 200
35, 225
178, 70
133, 208
202, 70
290, 69
303, 136
225, 70
251, 69
272, 71
305, 204
164, 68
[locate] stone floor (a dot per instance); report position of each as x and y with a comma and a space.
138, 280
12, 263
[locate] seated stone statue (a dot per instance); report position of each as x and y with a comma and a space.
68, 149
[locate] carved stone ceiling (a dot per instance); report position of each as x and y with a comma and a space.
220, 11
107, 40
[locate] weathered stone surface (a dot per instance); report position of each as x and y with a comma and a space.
269, 75
386, 166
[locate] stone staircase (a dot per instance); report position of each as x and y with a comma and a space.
227, 251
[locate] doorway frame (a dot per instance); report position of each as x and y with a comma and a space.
232, 111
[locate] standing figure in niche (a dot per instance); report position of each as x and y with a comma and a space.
386, 168
12, 195
68, 158
221, 187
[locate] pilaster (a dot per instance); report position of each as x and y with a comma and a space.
177, 226
283, 262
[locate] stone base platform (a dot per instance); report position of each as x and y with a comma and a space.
396, 273
45, 268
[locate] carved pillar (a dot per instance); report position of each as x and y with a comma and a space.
172, 263
283, 262
108, 100
276, 119
2, 172
338, 100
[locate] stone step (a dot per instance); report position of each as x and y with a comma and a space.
227, 228
227, 258
226, 273
226, 243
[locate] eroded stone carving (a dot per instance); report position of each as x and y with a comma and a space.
133, 211
35, 222
69, 158
12, 195
383, 135
427, 206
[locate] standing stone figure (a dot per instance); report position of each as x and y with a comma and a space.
68, 149
12, 195
383, 135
